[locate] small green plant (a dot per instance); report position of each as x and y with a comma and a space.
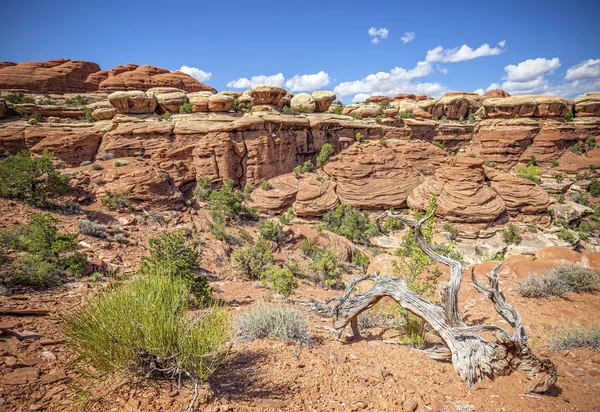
253, 259
18, 98
472, 155
217, 226
382, 142
273, 321
324, 154
338, 109
120, 163
265, 185
350, 223
451, 231
297, 171
96, 166
489, 163
280, 279
438, 144
356, 116
186, 108
566, 235
405, 115
592, 168
530, 172
533, 161
359, 137
471, 117
36, 116
88, 114
308, 167
271, 230
230, 202
578, 338
115, 201
287, 218
166, 115
554, 163
570, 116
78, 100
203, 188
361, 260
46, 100
389, 225
595, 188
516, 116
561, 198
559, 177
34, 181
581, 198
559, 281
511, 234
87, 227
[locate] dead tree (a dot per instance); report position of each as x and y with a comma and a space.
472, 356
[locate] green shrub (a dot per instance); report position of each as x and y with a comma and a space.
239, 107
326, 268
253, 259
530, 172
581, 198
559, 177
36, 116
45, 257
165, 116
406, 115
554, 163
577, 338
46, 100
34, 181
203, 188
217, 226
308, 166
566, 235
297, 171
382, 142
310, 248
560, 280
271, 230
595, 188
115, 201
88, 114
324, 154
275, 322
88, 227
561, 198
581, 147
78, 100
533, 161
511, 234
338, 109
96, 166
350, 223
356, 116
389, 225
143, 327
287, 218
516, 116
359, 137
265, 185
438, 144
173, 256
120, 162
18, 98
450, 230
230, 202
280, 279
489, 163
186, 108
361, 260
592, 168
570, 116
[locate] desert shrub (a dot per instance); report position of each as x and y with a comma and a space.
406, 115
115, 201
338, 109
570, 116
34, 181
580, 197
350, 223
324, 154
203, 188
327, 270
18, 98
382, 142
489, 163
142, 327
45, 257
560, 280
172, 255
78, 100
361, 260
85, 163
87, 227
356, 116
271, 230
165, 116
561, 198
265, 185
310, 247
46, 100
511, 234
88, 115
451, 231
530, 172
120, 162
230, 202
186, 108
389, 225
96, 166
308, 166
595, 188
280, 279
217, 226
287, 217
577, 338
438, 144
559, 177
273, 321
554, 163
533, 161
253, 259
566, 235
36, 116
360, 138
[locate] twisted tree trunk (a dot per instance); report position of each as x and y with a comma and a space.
472, 356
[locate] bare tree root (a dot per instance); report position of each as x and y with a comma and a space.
472, 356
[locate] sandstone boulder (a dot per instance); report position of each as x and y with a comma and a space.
405, 96
495, 94
463, 195
57, 75
169, 99
245, 98
104, 113
378, 99
133, 102
519, 195
569, 210
316, 196
527, 106
303, 100
286, 100
266, 95
323, 100
199, 101
220, 103
277, 199
586, 106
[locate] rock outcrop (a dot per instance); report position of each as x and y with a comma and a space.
323, 100
169, 99
496, 93
520, 196
527, 106
588, 105
134, 102
316, 196
134, 77
303, 101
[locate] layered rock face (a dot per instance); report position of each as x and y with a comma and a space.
58, 75
80, 76
527, 106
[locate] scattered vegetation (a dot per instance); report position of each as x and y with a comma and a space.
265, 185
306, 167
203, 188
350, 223
559, 177
361, 260
322, 263
280, 279
406, 115
389, 225
120, 162
87, 227
287, 217
594, 188
42, 256
229, 202
530, 172
18, 98
580, 148
253, 259
324, 154
554, 163
511, 234
566, 235
115, 201
438, 144
559, 281
271, 230
239, 107
275, 322
186, 108
34, 181
78, 100
577, 338
356, 116
451, 231
359, 137
489, 163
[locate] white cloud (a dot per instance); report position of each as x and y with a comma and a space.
196, 73
502, 43
245, 83
408, 36
397, 80
458, 54
377, 35
531, 69
441, 69
479, 91
493, 86
588, 69
308, 82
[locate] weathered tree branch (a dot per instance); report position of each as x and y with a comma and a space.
472, 356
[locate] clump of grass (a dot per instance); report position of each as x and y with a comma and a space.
120, 162
273, 321
576, 338
88, 227
559, 281
116, 201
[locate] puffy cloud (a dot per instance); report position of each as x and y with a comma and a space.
479, 91
531, 69
397, 80
539, 85
408, 36
493, 86
462, 53
245, 83
196, 73
588, 69
307, 82
502, 43
382, 33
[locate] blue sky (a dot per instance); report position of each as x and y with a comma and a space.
522, 46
